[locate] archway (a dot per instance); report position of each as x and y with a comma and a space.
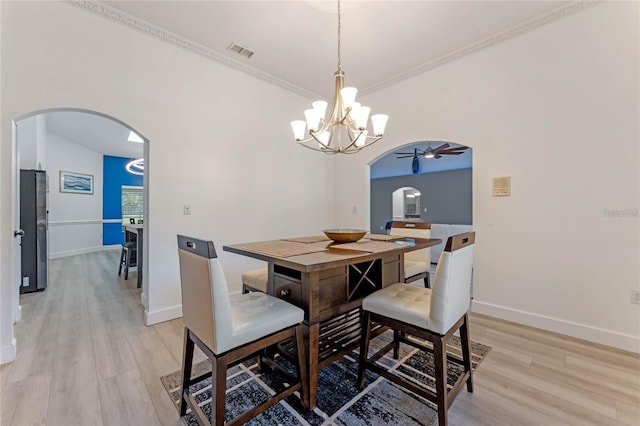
439, 193
38, 120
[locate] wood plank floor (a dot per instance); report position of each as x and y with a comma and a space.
85, 357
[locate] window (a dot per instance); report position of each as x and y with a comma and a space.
132, 204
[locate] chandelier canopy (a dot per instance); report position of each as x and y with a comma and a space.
344, 130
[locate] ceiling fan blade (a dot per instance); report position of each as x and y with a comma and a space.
443, 146
451, 153
437, 156
404, 153
406, 156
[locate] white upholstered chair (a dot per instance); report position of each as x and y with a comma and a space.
432, 314
255, 280
229, 330
416, 263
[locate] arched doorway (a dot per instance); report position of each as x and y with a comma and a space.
72, 142
440, 192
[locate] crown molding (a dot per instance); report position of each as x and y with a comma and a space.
508, 34
123, 18
106, 11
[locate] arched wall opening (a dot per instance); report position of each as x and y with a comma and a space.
36, 153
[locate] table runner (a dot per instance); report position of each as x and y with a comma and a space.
310, 239
281, 248
369, 246
382, 237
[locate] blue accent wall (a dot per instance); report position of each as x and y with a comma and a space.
114, 176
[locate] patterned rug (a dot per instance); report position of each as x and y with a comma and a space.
339, 402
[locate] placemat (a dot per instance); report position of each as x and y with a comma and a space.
310, 239
370, 246
382, 237
281, 248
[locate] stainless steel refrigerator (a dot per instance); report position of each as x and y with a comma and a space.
33, 221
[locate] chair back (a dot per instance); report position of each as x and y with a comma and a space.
451, 288
206, 308
414, 230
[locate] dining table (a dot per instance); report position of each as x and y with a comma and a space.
136, 231
328, 280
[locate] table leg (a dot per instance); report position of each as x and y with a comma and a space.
312, 340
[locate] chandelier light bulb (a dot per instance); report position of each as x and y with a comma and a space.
361, 116
313, 119
348, 96
379, 122
298, 127
321, 108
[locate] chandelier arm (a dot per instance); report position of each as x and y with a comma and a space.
313, 135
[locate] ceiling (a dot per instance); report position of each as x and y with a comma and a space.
295, 45
96, 132
296, 41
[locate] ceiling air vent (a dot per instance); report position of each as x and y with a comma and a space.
240, 50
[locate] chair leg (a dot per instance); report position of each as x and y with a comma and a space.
396, 344
123, 257
187, 363
126, 264
466, 351
301, 368
364, 348
218, 390
440, 360
427, 280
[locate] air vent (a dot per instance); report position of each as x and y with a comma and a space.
240, 50
502, 186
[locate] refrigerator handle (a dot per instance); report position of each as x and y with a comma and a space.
19, 232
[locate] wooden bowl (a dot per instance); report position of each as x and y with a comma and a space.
345, 235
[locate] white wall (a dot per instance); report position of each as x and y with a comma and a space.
219, 140
75, 220
28, 135
539, 108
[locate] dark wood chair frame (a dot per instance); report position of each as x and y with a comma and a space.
401, 331
129, 249
220, 364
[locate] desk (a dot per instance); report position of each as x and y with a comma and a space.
138, 230
329, 286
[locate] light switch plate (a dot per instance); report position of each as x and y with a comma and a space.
187, 209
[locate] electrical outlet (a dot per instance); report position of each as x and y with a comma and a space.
25, 281
635, 297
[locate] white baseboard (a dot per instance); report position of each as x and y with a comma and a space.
162, 315
8, 352
144, 300
19, 313
615, 339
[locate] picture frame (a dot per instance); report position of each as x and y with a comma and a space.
76, 183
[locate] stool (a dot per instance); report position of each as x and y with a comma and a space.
128, 257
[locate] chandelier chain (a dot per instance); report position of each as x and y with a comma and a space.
339, 39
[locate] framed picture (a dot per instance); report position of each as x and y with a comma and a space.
76, 183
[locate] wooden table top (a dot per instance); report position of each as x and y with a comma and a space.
331, 256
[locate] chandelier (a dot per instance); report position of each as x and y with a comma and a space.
344, 131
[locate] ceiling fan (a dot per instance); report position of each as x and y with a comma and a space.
430, 153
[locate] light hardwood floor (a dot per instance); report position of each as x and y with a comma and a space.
85, 357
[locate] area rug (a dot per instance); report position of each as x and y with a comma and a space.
339, 401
